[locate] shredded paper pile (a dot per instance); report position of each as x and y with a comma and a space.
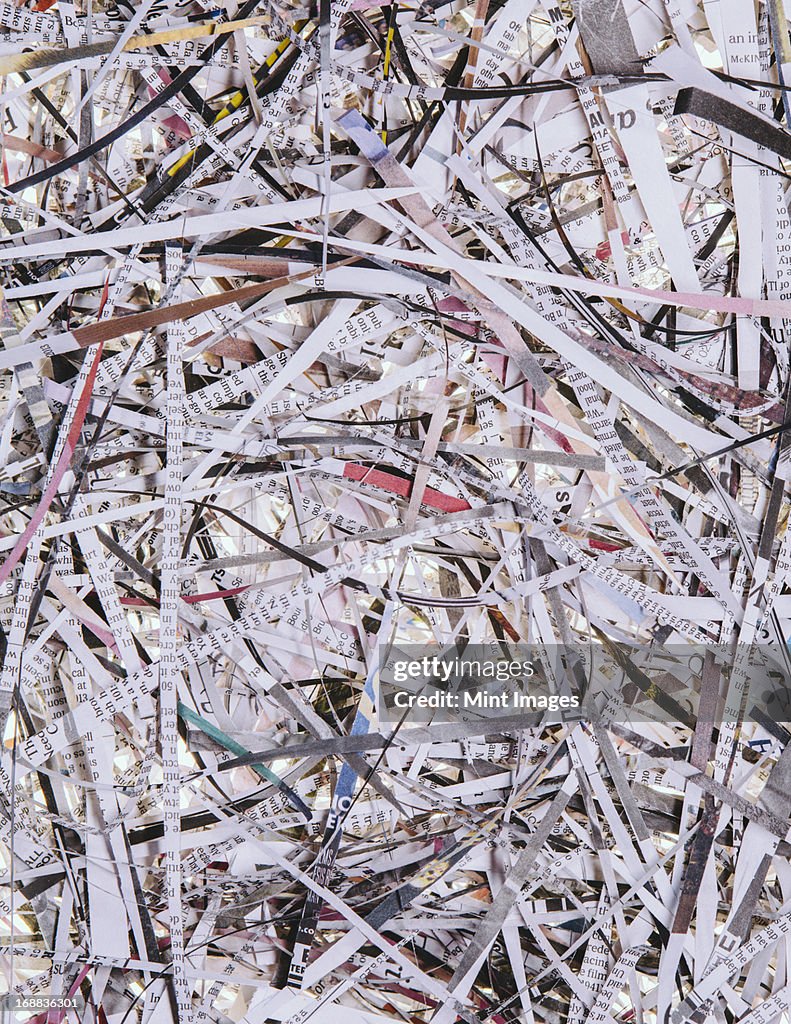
335, 329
